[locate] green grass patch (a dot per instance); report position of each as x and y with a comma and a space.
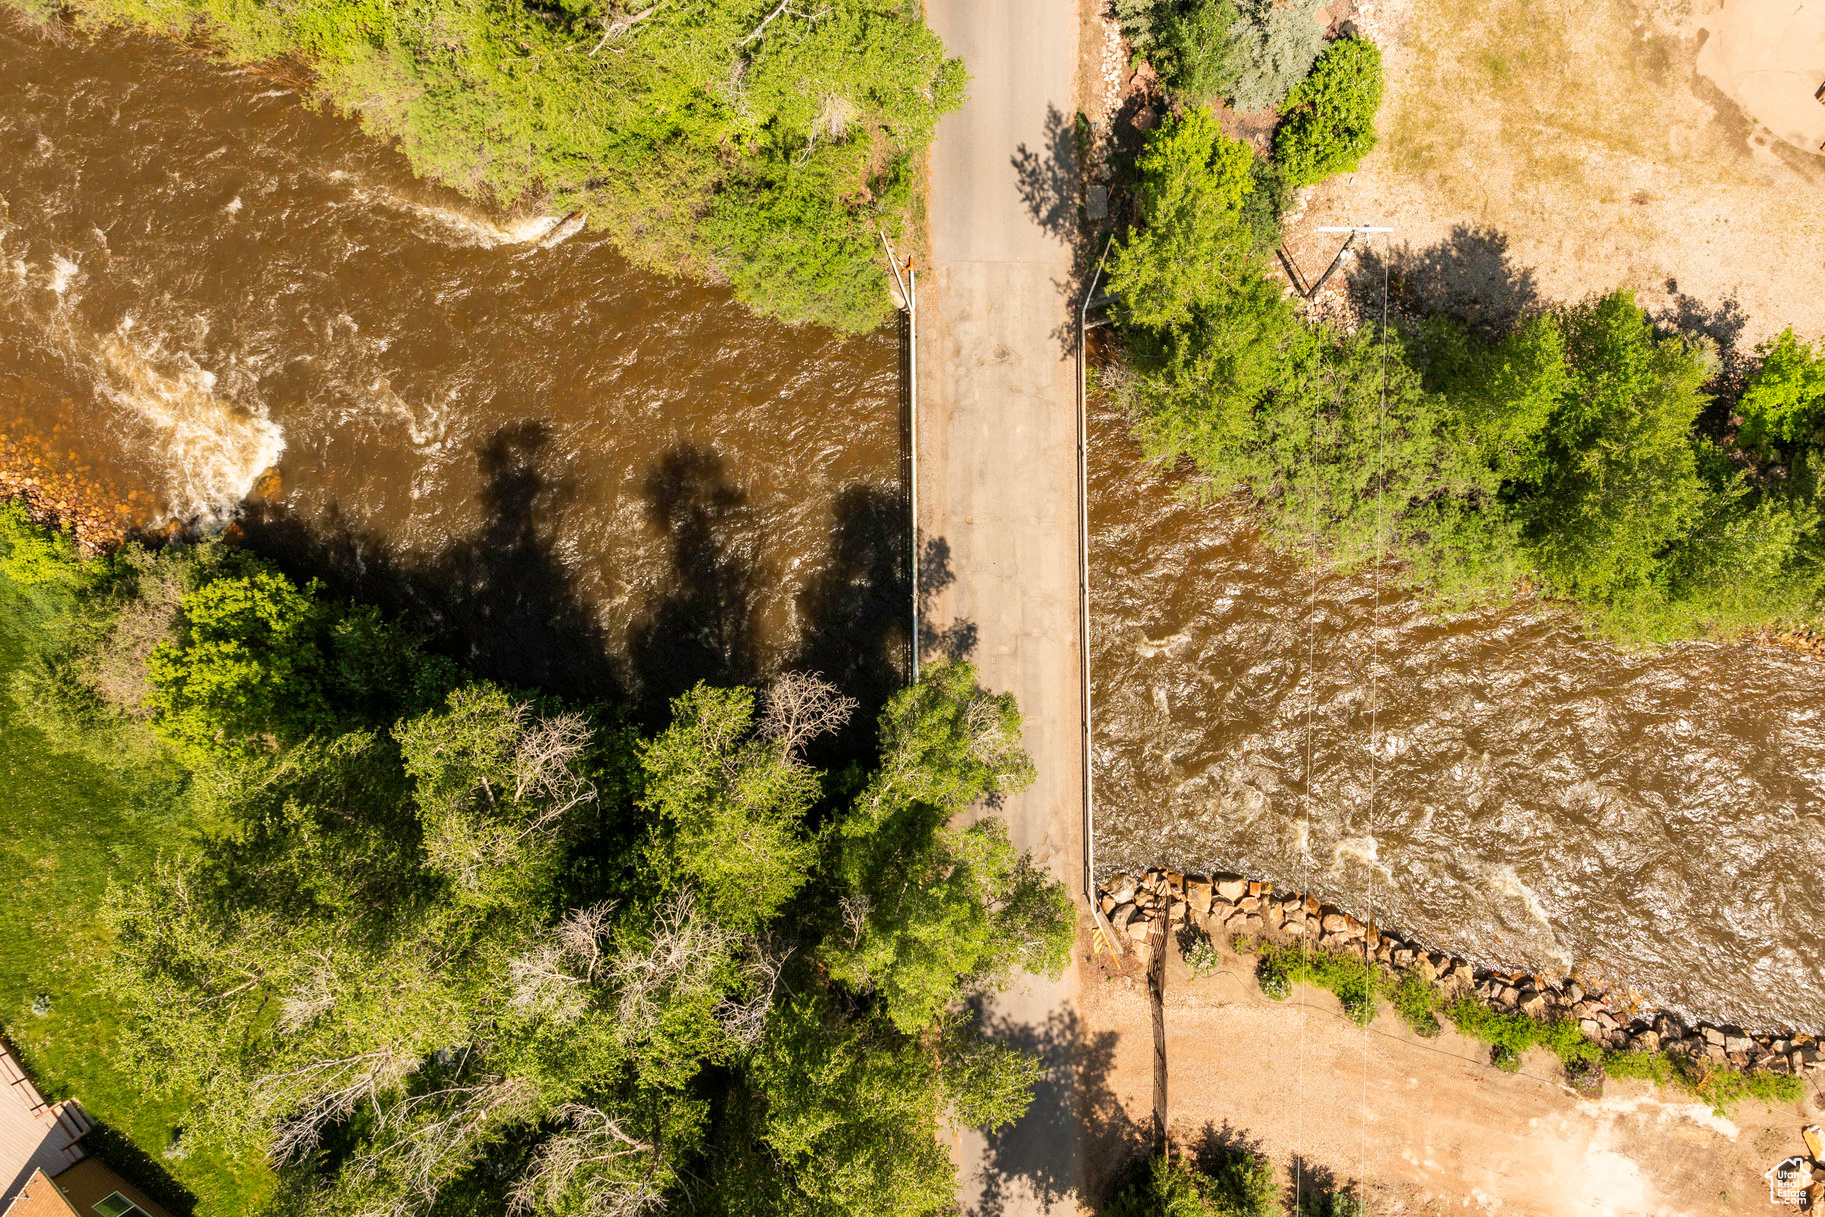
72, 826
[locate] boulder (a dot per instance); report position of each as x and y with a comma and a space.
1250, 924
1177, 911
1589, 1027
1221, 911
1254, 888
1274, 915
1175, 880
1714, 1037
1333, 923
1122, 888
1249, 904
1646, 1041
1574, 993
1231, 887
1138, 928
1508, 995
1738, 1043
1533, 1004
1198, 892
1607, 1020
1404, 957
1120, 915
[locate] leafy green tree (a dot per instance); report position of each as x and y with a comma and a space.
1619, 480
929, 906
732, 799
1783, 405
35, 557
1191, 247
1197, 54
1328, 122
1239, 1185
246, 661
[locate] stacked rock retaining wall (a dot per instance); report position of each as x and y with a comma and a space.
1229, 905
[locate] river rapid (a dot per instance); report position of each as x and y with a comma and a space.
227, 309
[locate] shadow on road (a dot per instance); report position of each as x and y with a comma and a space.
1041, 1154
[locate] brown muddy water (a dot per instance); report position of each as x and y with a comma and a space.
605, 482
601, 478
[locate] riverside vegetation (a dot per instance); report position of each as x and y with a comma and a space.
746, 141
1577, 449
338, 928
1298, 940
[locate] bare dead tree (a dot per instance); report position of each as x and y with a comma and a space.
685, 949
314, 995
581, 1158
421, 1154
745, 1021
550, 980
307, 1098
783, 7
802, 706
545, 766
617, 22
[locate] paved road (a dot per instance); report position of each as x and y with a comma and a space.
998, 484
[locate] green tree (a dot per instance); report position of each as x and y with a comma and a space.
1190, 249
930, 907
1619, 481
1271, 48
1328, 123
1783, 404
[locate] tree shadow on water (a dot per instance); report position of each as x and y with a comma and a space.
500, 599
704, 625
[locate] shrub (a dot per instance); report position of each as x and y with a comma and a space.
1197, 54
1235, 1184
1271, 48
1328, 123
33, 556
1202, 956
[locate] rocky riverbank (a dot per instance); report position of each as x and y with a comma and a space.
61, 495
1242, 910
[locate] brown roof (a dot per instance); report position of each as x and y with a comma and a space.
39, 1198
76, 1192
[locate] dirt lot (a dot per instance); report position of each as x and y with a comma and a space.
1549, 149
1428, 1124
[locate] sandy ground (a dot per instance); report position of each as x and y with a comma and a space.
1543, 150
997, 523
1429, 1124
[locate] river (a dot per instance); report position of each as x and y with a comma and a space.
227, 309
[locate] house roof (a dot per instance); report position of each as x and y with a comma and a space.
77, 1191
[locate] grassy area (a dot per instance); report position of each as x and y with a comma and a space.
72, 826
1554, 98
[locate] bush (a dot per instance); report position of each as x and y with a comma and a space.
1271, 48
1328, 123
1237, 1184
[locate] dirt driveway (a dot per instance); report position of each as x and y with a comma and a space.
1429, 1124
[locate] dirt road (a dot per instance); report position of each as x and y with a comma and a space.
997, 469
1429, 1124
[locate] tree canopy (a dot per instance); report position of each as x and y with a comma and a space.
469, 949
1571, 449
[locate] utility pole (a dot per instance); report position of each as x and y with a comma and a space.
908, 283
1083, 601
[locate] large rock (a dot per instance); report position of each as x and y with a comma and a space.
1231, 887
1646, 1041
1533, 1004
1737, 1043
1249, 904
1122, 887
1198, 892
1138, 928
1333, 923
